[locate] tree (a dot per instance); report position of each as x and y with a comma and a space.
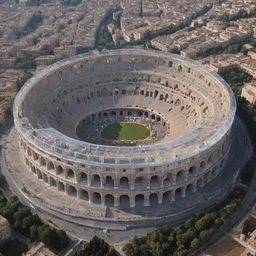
195, 243
97, 247
33, 233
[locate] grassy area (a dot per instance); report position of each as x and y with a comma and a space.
125, 131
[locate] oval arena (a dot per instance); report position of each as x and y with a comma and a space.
61, 112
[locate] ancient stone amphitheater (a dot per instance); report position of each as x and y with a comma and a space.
60, 112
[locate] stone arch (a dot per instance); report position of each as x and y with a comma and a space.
96, 198
61, 186
153, 199
202, 165
50, 165
140, 182
154, 181
42, 161
153, 116
180, 176
96, 180
60, 170
84, 195
167, 182
70, 174
189, 189
166, 196
139, 200
124, 183
45, 178
83, 177
155, 93
199, 183
71, 191
178, 193
35, 156
109, 200
39, 174
142, 92
53, 182
192, 170
113, 113
109, 182
33, 169
124, 201
29, 151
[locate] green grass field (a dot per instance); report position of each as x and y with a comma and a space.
125, 131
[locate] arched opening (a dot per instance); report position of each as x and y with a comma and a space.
209, 160
140, 183
109, 200
60, 170
153, 199
84, 195
129, 113
202, 165
109, 183
29, 152
33, 169
178, 193
167, 182
50, 166
83, 177
124, 201
72, 191
105, 114
153, 117
45, 178
35, 156
96, 198
70, 174
39, 174
113, 113
155, 93
166, 197
192, 170
154, 183
142, 92
124, 183
199, 183
96, 180
61, 186
53, 182
189, 189
180, 176
42, 161
139, 200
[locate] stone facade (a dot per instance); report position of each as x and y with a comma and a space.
194, 105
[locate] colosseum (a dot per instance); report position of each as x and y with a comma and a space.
59, 117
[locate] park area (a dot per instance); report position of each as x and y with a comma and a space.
125, 131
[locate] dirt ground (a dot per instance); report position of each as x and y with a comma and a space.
226, 247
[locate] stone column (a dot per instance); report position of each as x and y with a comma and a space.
174, 178
172, 195
116, 200
116, 183
132, 201
146, 200
160, 197
147, 181
132, 183
194, 186
183, 192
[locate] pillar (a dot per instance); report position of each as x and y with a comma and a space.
160, 197
132, 201
183, 192
116, 183
116, 200
172, 195
146, 200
